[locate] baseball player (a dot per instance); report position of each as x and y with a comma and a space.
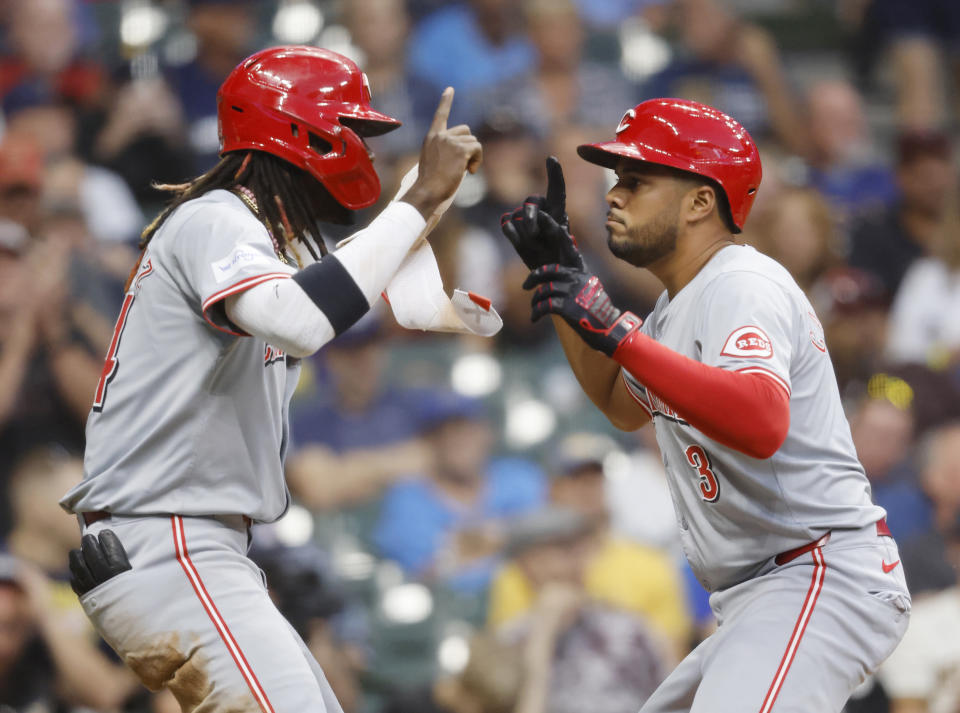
731, 366
186, 438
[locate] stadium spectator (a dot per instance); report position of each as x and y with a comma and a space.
888, 243
44, 39
735, 66
638, 497
798, 230
923, 323
380, 29
921, 675
931, 558
27, 677
450, 526
21, 181
883, 429
579, 654
470, 45
633, 577
47, 369
41, 538
492, 682
143, 138
33, 112
563, 87
853, 306
225, 31
844, 163
305, 590
354, 432
922, 39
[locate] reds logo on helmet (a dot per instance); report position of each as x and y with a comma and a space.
748, 341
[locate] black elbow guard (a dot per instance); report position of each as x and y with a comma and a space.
334, 291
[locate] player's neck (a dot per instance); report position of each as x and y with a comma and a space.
683, 264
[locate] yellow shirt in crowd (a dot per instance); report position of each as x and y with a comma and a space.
624, 574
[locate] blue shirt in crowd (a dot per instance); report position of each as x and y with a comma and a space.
417, 520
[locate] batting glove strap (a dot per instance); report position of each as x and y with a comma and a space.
580, 299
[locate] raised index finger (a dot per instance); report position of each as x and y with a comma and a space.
439, 122
556, 190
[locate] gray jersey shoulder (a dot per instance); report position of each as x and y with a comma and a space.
191, 415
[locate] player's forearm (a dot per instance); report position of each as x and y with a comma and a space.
747, 412
324, 479
599, 377
326, 298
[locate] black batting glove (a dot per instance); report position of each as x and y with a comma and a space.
539, 230
97, 560
580, 299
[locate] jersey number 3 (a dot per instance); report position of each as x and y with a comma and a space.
110, 364
709, 485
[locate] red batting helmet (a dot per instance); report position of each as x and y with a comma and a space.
309, 106
692, 137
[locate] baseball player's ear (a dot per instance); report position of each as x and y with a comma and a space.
700, 202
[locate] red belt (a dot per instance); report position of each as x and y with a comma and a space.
96, 516
790, 555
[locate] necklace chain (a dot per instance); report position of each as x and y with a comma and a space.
246, 195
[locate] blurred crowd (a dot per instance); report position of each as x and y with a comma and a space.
468, 534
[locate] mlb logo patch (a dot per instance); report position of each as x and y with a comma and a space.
750, 342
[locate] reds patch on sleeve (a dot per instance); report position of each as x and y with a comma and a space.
750, 342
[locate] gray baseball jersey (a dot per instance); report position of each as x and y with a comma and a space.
744, 312
188, 418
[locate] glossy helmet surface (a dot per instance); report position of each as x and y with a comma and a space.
692, 137
308, 106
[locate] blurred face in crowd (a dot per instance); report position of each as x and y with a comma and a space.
941, 475
882, 434
561, 562
582, 490
797, 231
357, 372
36, 487
461, 449
43, 34
52, 127
586, 182
15, 625
224, 28
507, 162
556, 32
706, 27
836, 120
856, 337
643, 221
924, 182
379, 28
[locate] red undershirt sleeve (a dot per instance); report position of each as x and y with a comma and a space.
749, 412
737, 389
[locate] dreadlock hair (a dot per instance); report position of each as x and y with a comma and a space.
290, 202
